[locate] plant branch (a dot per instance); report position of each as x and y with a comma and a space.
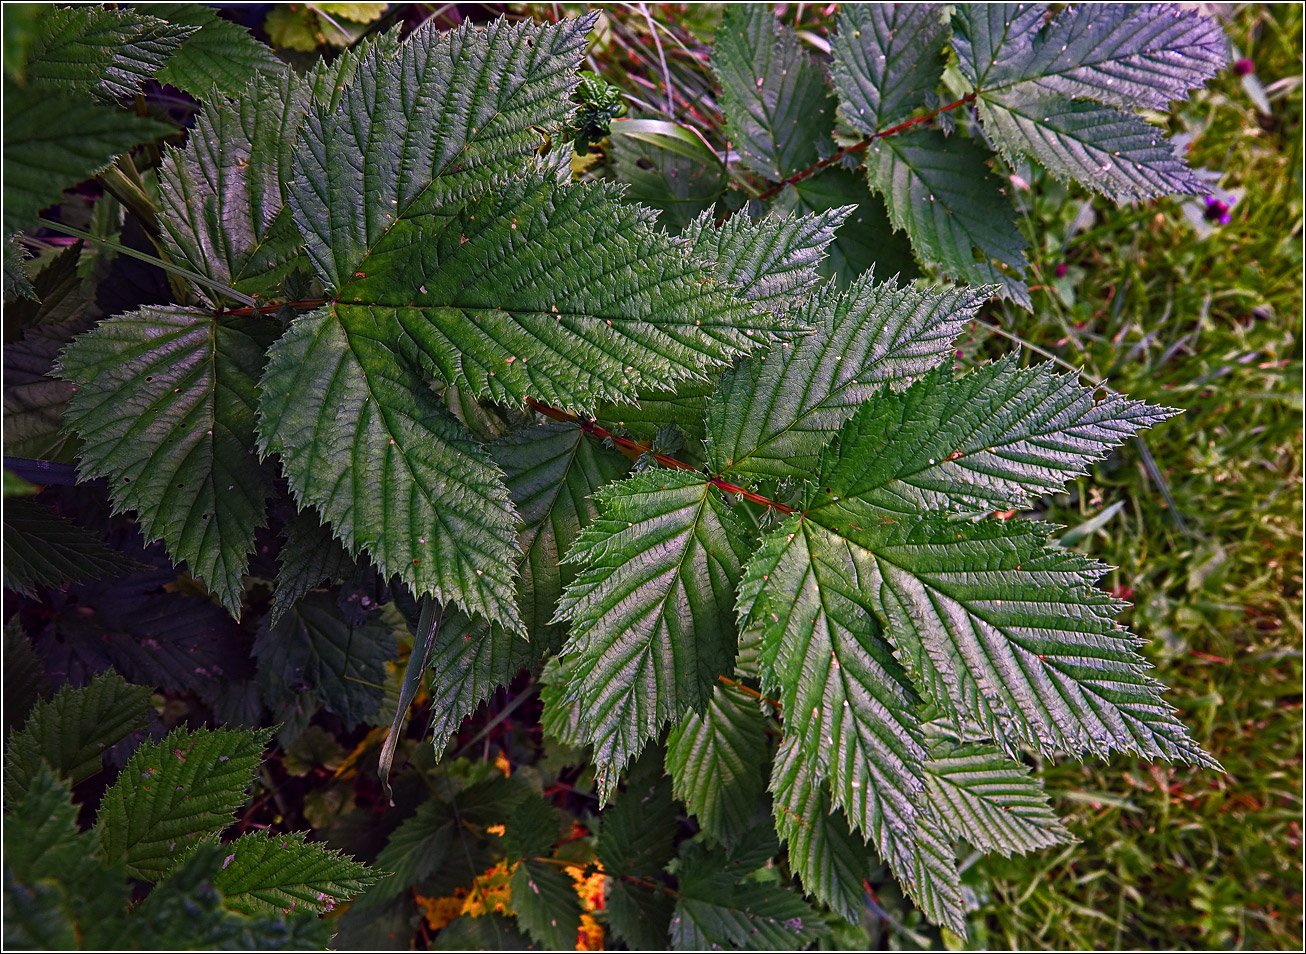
860, 147
252, 310
749, 690
666, 460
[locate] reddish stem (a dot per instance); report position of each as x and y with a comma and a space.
666, 460
860, 147
304, 303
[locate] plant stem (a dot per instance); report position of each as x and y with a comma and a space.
666, 460
860, 147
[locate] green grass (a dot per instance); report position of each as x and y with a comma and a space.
1172, 857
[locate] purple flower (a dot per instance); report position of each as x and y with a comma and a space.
1061, 269
1216, 210
1243, 67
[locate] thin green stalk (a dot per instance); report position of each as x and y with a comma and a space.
169, 267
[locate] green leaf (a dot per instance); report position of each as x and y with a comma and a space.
41, 837
36, 916
469, 661
635, 842
832, 862
72, 730
185, 912
650, 614
1125, 54
34, 400
489, 932
772, 261
847, 702
776, 106
989, 37
266, 873
533, 829
219, 54
507, 296
658, 409
24, 677
885, 59
939, 188
55, 139
866, 239
715, 760
679, 187
43, 549
165, 409
110, 51
313, 648
415, 850
310, 556
998, 437
547, 906
170, 792
716, 908
552, 472
1106, 149
341, 407
223, 195
388, 154
769, 415
989, 800
1011, 635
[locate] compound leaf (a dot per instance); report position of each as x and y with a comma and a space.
165, 408
1012, 634
507, 296
55, 139
310, 556
990, 38
636, 835
650, 614
547, 906
41, 836
424, 125
470, 659
552, 472
42, 548
717, 908
1124, 54
775, 102
866, 239
832, 862
885, 59
94, 48
174, 791
846, 701
223, 200
268, 874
